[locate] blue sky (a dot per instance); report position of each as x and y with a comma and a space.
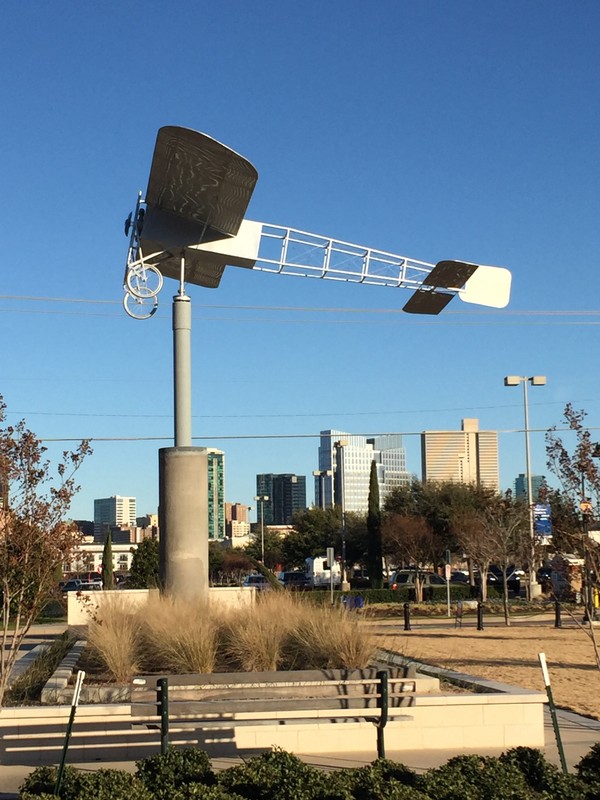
436, 130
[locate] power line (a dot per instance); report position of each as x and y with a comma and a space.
489, 317
278, 436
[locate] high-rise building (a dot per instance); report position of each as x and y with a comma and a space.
109, 511
216, 494
286, 493
537, 481
237, 525
345, 460
465, 456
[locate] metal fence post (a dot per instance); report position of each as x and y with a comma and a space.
407, 616
479, 616
162, 706
382, 703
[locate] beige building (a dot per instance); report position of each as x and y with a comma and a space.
465, 456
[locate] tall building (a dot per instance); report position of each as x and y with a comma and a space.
465, 456
286, 493
216, 494
345, 466
116, 510
537, 481
237, 525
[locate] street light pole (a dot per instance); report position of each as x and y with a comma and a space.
321, 475
262, 499
535, 380
341, 482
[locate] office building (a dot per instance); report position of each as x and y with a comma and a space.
113, 511
286, 493
345, 468
216, 494
465, 456
237, 525
537, 481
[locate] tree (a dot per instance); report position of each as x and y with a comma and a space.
507, 525
314, 530
108, 580
409, 539
272, 546
578, 473
35, 539
144, 572
374, 541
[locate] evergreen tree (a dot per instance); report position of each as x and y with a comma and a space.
374, 545
107, 563
144, 572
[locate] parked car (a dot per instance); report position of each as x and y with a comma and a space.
406, 577
72, 585
259, 582
496, 579
294, 580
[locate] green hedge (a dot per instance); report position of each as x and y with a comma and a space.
435, 594
184, 773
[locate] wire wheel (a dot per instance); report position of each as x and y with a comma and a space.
144, 281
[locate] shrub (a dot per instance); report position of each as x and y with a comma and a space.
543, 776
103, 784
162, 774
381, 780
198, 791
111, 784
588, 769
472, 777
275, 774
42, 780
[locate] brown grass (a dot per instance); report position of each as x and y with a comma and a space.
115, 641
255, 638
330, 638
178, 635
278, 632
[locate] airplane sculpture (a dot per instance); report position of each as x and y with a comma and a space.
191, 225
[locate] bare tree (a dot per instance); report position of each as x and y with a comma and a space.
35, 541
578, 474
507, 526
470, 529
410, 539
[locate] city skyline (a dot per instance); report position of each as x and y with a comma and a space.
374, 137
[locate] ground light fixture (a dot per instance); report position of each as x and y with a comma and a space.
534, 380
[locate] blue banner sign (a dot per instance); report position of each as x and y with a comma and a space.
542, 520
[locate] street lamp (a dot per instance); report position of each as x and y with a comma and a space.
341, 501
535, 380
262, 499
586, 509
322, 475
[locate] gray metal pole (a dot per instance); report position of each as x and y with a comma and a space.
182, 369
533, 585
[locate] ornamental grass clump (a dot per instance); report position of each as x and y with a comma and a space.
329, 638
114, 639
255, 638
179, 635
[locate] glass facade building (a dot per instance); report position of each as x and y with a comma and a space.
216, 494
345, 467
